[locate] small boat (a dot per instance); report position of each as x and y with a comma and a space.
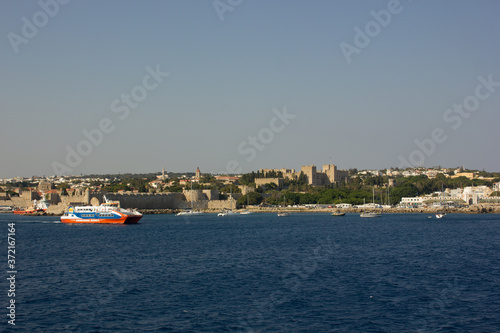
107, 212
370, 214
38, 207
440, 215
188, 212
338, 213
246, 212
284, 205
6, 209
227, 212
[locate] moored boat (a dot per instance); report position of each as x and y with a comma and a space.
188, 212
338, 213
39, 207
440, 215
6, 209
370, 214
108, 212
227, 212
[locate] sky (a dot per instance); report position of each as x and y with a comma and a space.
232, 86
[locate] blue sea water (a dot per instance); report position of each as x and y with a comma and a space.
256, 273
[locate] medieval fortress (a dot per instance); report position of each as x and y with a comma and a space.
197, 199
330, 174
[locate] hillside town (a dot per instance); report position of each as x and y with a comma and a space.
309, 187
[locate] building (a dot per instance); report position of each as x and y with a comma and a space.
329, 175
279, 182
228, 179
469, 175
44, 186
472, 194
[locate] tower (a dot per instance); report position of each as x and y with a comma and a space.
198, 173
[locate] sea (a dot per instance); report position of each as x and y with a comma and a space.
306, 272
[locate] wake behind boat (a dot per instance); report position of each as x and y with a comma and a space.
108, 212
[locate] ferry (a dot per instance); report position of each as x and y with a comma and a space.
107, 212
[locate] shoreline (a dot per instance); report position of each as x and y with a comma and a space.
477, 209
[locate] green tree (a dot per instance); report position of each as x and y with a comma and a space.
254, 198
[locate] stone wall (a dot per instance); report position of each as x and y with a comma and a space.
171, 200
263, 181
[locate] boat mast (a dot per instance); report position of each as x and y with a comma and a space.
191, 194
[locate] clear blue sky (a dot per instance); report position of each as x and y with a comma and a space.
227, 76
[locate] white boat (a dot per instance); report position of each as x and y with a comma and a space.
6, 209
190, 211
227, 212
246, 211
284, 205
370, 214
440, 215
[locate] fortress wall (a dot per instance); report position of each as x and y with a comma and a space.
149, 201
194, 195
16, 202
221, 204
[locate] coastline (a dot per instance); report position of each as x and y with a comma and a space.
476, 209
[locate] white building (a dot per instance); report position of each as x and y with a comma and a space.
472, 194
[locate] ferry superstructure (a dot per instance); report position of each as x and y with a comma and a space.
108, 212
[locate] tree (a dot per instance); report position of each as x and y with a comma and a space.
254, 198
302, 180
230, 188
63, 187
407, 190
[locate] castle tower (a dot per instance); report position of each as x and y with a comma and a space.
198, 173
